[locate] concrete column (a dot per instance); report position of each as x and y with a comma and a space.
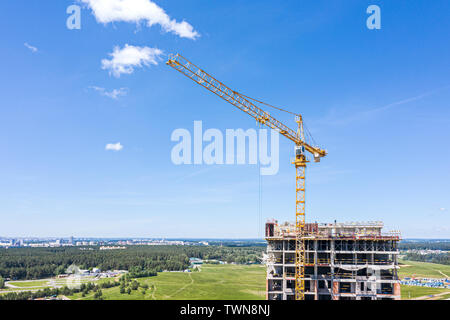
335, 292
332, 257
314, 288
372, 255
397, 291
358, 288
316, 246
316, 284
283, 257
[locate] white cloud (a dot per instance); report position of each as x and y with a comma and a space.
114, 94
126, 59
114, 146
106, 11
33, 49
442, 209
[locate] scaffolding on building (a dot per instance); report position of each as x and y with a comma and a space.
353, 260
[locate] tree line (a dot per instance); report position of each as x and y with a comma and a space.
425, 245
443, 258
85, 289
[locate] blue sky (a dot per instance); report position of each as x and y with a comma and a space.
377, 100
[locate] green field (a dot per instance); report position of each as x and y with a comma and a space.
423, 269
411, 292
233, 282
237, 282
213, 282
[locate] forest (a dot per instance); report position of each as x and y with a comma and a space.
38, 263
424, 245
441, 258
434, 257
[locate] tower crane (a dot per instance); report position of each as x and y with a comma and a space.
244, 103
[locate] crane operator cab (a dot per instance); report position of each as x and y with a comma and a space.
300, 153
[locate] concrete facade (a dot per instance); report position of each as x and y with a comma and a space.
345, 261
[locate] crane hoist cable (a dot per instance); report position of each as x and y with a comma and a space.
259, 196
283, 110
269, 105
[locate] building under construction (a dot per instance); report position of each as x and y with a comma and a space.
337, 261
343, 261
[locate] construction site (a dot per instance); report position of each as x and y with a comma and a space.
343, 261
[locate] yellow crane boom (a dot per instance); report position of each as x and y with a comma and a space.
181, 64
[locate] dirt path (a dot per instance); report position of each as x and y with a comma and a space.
9, 285
443, 274
17, 291
184, 287
87, 296
430, 297
154, 291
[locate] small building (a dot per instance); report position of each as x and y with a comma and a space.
195, 261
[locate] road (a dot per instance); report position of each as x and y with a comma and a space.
431, 297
